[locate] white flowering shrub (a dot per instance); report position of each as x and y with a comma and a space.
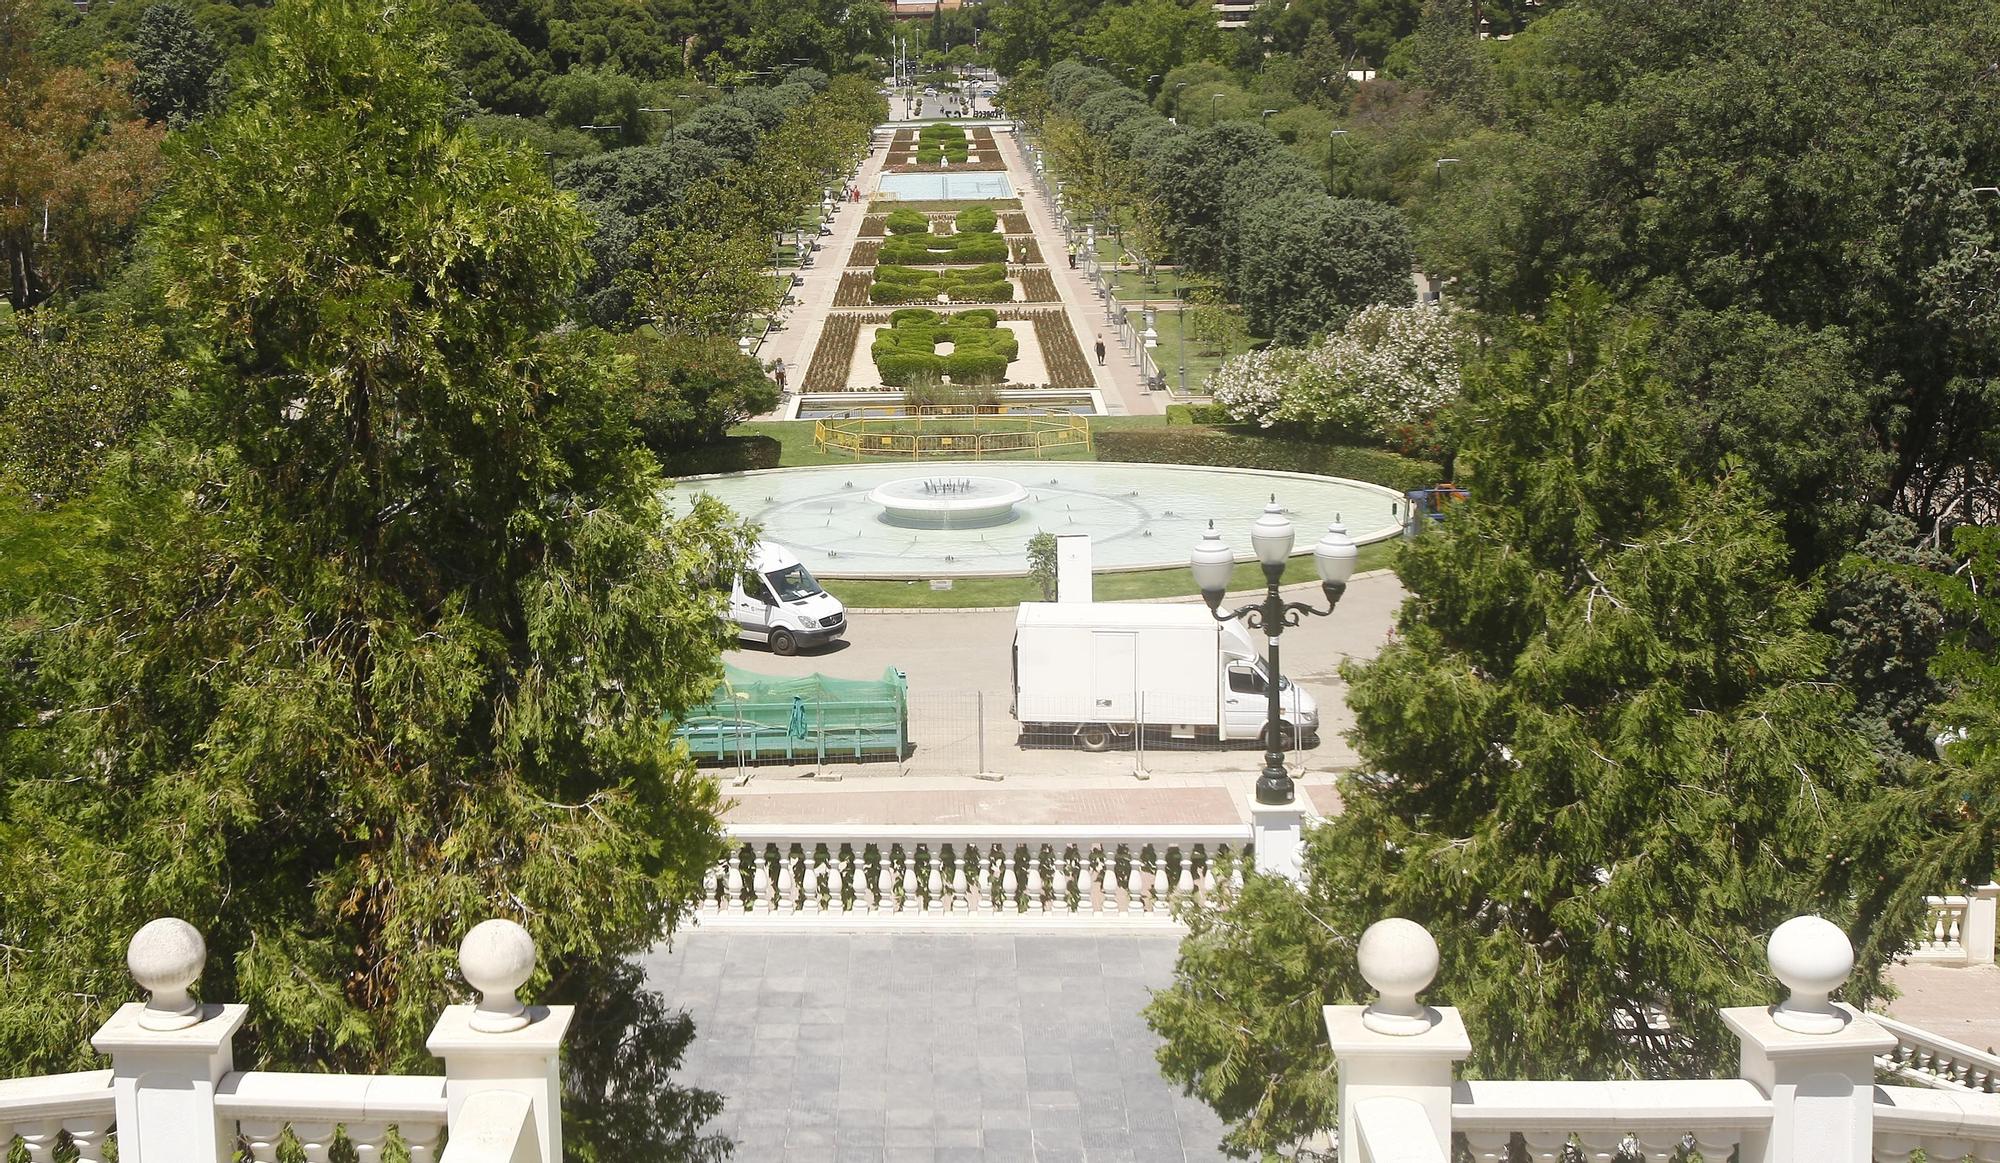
1251, 386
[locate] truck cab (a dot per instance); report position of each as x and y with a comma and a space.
777, 601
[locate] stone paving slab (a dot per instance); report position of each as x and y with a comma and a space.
937, 1047
992, 805
1962, 1004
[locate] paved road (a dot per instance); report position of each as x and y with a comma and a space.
959, 664
936, 1047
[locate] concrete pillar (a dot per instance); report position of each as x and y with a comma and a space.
1396, 1047
169, 1052
500, 1044
1812, 1057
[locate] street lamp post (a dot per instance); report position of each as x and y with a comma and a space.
1213, 562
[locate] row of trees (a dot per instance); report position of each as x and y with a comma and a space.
1708, 645
1229, 200
339, 604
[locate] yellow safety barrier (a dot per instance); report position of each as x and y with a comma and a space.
915, 437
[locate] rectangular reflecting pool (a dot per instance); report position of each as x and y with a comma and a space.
942, 187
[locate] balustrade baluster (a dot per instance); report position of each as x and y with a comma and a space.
815, 878
1600, 1146
1546, 1146
39, 1139
1059, 879
934, 878
788, 897
1104, 888
909, 862
262, 1137
420, 1140
1010, 882
368, 1140
760, 872
1155, 865
732, 881
961, 880
1036, 881
1491, 1146
1716, 1146
315, 1139
87, 1135
877, 872
1184, 879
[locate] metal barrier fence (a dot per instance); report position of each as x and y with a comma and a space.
974, 732
920, 436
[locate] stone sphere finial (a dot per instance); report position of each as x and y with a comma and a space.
165, 957
497, 957
1399, 958
1813, 958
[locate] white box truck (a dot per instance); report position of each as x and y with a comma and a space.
1095, 671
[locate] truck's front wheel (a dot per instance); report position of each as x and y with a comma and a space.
782, 643
1094, 737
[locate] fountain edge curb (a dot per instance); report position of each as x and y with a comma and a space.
1300, 587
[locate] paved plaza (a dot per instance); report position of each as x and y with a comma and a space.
932, 1046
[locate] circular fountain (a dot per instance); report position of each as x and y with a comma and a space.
948, 502
879, 520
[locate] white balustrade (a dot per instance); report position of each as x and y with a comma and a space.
1943, 1125
1938, 1062
1636, 1119
1958, 929
925, 876
171, 1095
42, 1112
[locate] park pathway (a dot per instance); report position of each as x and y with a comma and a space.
1124, 390
795, 342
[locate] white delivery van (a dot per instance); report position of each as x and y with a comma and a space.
1096, 670
776, 601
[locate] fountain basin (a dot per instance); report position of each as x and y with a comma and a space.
948, 501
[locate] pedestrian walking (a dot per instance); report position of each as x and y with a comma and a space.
1100, 351
1072, 256
779, 373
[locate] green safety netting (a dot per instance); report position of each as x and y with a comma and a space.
755, 716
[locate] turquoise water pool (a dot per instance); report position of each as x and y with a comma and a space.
940, 187
1139, 516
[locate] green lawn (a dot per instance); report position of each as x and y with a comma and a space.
1199, 363
1105, 587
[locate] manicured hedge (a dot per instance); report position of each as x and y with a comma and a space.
1234, 448
976, 220
905, 351
1196, 414
981, 284
926, 249
909, 222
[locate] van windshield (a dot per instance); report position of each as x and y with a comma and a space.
792, 583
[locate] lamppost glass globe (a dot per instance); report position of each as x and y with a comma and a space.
1335, 555
1212, 563
1272, 536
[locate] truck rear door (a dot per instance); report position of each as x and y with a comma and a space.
1114, 676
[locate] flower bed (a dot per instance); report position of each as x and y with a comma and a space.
1015, 223
1060, 351
864, 253
828, 370
874, 225
905, 352
1026, 250
853, 289
949, 250
936, 143
980, 284
1037, 286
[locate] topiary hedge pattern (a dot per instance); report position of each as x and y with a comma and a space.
921, 249
981, 284
1231, 448
905, 352
908, 222
976, 220
937, 143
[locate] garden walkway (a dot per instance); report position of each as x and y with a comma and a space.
1124, 392
983, 1047
796, 340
